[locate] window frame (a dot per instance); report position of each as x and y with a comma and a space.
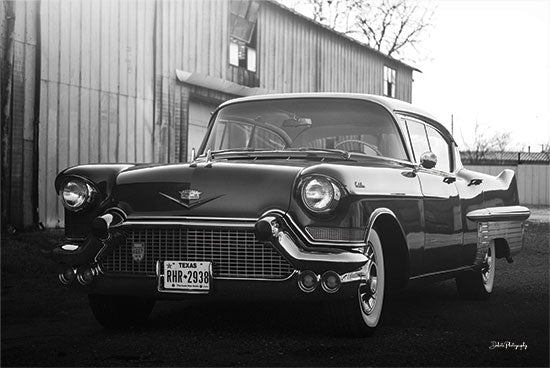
235, 43
451, 146
393, 82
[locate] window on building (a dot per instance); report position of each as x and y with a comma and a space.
242, 24
389, 81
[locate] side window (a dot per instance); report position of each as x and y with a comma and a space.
266, 139
440, 147
418, 137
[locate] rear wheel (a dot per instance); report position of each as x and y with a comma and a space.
478, 284
115, 311
360, 315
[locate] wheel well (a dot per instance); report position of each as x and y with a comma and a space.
396, 252
502, 249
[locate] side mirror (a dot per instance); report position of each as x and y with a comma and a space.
428, 160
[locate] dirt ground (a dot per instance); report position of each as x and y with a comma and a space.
46, 324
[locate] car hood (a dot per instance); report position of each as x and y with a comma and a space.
223, 189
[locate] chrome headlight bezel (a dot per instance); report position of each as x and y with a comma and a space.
83, 192
333, 190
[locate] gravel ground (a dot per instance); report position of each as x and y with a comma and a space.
45, 324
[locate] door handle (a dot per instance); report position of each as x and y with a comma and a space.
475, 182
449, 179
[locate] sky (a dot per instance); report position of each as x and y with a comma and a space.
488, 61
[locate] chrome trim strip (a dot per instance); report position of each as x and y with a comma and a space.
464, 268
187, 223
191, 218
294, 226
143, 276
353, 276
505, 213
295, 272
298, 254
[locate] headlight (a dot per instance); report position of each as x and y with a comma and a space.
320, 194
76, 193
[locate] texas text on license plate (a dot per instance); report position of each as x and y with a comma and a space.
187, 276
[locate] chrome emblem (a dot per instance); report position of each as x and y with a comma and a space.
190, 198
138, 252
190, 195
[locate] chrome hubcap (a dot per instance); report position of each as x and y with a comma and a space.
368, 288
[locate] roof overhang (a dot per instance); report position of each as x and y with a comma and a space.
218, 84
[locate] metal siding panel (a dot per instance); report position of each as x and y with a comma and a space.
103, 127
131, 132
73, 137
63, 127
223, 37
124, 63
140, 50
114, 34
148, 132
94, 154
64, 40
131, 31
29, 94
86, 50
105, 33
74, 34
178, 35
96, 46
53, 40
52, 157
42, 142
113, 124
84, 123
122, 133
140, 130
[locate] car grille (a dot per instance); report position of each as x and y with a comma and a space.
233, 253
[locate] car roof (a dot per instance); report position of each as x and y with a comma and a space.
391, 104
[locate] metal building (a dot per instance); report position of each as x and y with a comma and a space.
136, 80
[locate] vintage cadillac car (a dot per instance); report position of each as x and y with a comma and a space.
333, 198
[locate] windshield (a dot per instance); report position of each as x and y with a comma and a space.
355, 126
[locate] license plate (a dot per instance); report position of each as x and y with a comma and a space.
187, 276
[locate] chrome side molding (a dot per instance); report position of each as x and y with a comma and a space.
506, 213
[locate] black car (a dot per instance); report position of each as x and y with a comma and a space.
339, 198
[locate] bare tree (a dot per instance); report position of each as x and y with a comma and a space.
393, 27
484, 143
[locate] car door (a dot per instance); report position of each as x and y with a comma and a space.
441, 203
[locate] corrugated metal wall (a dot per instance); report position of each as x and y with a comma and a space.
18, 58
533, 181
108, 88
296, 55
97, 88
192, 35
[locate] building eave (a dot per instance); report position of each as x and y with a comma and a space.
340, 34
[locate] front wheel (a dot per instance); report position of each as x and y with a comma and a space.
115, 311
478, 284
360, 315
